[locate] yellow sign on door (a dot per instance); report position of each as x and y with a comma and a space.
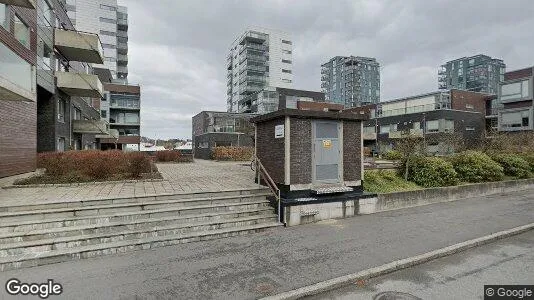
327, 144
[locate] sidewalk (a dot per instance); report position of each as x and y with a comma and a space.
286, 258
200, 176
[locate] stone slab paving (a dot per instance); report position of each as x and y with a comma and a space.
200, 176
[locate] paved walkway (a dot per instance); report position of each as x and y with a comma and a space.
256, 265
202, 175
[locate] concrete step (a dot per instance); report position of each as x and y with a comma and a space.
60, 255
144, 224
156, 217
44, 245
46, 205
232, 203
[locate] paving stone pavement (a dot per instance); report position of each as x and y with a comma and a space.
201, 175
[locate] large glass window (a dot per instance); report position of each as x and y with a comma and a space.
432, 126
448, 125
516, 90
515, 119
61, 110
3, 17
22, 32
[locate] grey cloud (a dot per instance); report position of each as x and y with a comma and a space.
178, 48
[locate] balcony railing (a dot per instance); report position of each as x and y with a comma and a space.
79, 46
252, 78
17, 77
122, 69
22, 3
79, 84
253, 36
122, 48
90, 126
122, 24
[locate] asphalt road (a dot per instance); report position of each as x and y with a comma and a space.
283, 259
460, 276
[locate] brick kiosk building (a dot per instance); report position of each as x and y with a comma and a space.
315, 160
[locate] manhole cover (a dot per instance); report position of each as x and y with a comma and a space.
392, 295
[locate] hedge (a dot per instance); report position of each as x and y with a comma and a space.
475, 166
513, 165
232, 153
392, 155
430, 172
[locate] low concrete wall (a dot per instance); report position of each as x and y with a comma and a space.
392, 201
314, 212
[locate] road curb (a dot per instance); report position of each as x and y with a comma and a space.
397, 265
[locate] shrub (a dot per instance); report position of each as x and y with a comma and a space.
529, 158
513, 165
475, 166
168, 155
73, 166
431, 172
233, 153
392, 155
386, 181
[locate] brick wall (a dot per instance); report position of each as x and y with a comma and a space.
18, 138
46, 118
352, 150
271, 151
517, 74
300, 146
460, 100
319, 106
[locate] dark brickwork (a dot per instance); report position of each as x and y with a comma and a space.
518, 74
352, 151
464, 100
319, 106
17, 138
271, 151
518, 104
300, 151
46, 120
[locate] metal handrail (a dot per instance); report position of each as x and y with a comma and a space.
261, 171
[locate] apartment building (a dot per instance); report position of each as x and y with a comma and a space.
513, 108
213, 128
121, 108
257, 59
271, 98
351, 80
437, 117
18, 96
479, 73
110, 22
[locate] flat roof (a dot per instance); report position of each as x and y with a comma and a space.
309, 114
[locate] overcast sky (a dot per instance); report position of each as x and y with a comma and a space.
177, 49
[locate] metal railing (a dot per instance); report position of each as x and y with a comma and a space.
261, 173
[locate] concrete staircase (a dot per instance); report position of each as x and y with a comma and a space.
45, 233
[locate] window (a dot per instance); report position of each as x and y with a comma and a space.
108, 20
286, 80
110, 33
22, 32
432, 126
77, 114
515, 119
107, 7
61, 110
108, 58
103, 114
471, 62
515, 90
61, 144
109, 46
286, 51
369, 129
469, 128
287, 61
448, 125
384, 128
286, 42
4, 20
286, 71
469, 106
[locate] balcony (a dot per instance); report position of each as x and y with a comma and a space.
122, 59
90, 126
252, 36
122, 48
122, 69
252, 78
79, 84
122, 24
76, 46
113, 134
253, 68
22, 3
17, 77
247, 89
405, 134
121, 33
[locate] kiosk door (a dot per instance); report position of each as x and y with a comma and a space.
326, 159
